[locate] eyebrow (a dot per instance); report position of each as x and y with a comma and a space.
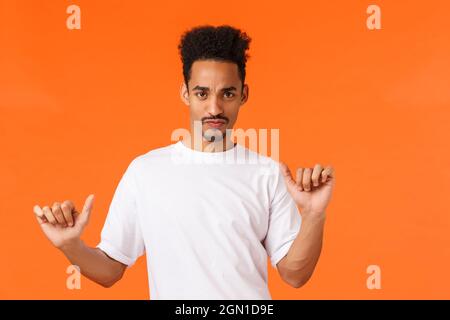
207, 89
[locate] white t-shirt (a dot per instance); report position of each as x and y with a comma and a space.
207, 221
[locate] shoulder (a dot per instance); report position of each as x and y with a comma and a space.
152, 157
265, 164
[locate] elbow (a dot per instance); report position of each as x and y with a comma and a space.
110, 281
107, 284
298, 282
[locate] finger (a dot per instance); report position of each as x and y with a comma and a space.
49, 215
306, 181
87, 208
327, 172
316, 174
299, 177
57, 212
75, 214
286, 172
39, 214
66, 208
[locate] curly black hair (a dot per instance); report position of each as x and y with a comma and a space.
222, 43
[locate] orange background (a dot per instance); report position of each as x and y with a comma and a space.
76, 106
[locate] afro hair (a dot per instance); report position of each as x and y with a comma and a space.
222, 43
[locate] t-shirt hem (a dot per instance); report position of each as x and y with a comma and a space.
281, 252
111, 251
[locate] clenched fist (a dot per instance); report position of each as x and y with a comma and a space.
62, 223
311, 189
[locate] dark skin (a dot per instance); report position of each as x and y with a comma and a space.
214, 92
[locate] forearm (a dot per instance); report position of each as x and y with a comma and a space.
93, 263
304, 253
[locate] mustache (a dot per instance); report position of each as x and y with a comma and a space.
215, 118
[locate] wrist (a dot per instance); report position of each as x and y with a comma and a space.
71, 245
313, 216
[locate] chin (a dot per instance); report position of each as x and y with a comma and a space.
218, 137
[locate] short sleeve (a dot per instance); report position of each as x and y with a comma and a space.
121, 237
284, 220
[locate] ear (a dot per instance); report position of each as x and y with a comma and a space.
184, 94
245, 92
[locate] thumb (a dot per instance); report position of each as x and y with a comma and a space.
87, 208
286, 172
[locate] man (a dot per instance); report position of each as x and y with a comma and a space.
207, 224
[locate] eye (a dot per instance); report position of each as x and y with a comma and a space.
201, 94
229, 94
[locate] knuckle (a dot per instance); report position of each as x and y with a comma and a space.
67, 203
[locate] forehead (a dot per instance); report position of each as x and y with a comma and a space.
214, 73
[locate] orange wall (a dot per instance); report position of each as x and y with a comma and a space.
76, 106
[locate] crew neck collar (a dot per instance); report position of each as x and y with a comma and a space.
181, 146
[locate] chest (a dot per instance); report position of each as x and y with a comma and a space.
207, 200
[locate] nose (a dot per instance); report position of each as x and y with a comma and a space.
214, 107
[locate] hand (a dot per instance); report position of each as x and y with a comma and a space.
63, 224
312, 188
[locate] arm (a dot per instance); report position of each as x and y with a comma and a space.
94, 263
63, 226
299, 263
311, 191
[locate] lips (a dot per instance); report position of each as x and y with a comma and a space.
215, 123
